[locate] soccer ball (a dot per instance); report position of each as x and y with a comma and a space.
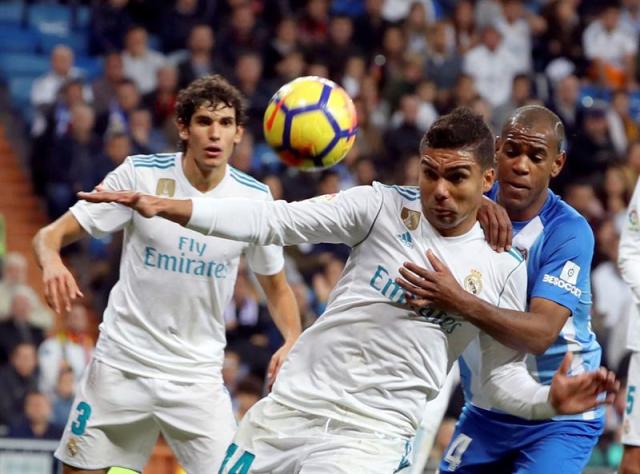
311, 123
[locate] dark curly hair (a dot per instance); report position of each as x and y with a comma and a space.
462, 129
209, 91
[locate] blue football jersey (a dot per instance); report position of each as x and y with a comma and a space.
558, 246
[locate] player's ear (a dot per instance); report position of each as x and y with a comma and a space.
183, 130
558, 163
488, 177
239, 134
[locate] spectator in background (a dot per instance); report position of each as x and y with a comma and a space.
517, 28
389, 62
18, 327
563, 35
581, 195
416, 27
243, 32
370, 27
617, 187
400, 141
116, 118
72, 162
607, 282
17, 378
610, 48
62, 400
14, 278
284, 42
633, 159
521, 94
177, 22
162, 100
313, 24
323, 282
104, 88
355, 71
630, 16
257, 92
592, 151
201, 60
623, 128
566, 105
145, 139
36, 421
492, 67
45, 89
395, 11
443, 63
69, 348
232, 369
110, 21
464, 93
141, 64
290, 67
466, 34
369, 140
338, 47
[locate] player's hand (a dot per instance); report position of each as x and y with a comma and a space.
60, 287
437, 287
276, 362
579, 393
496, 224
145, 204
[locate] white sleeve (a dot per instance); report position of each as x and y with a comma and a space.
629, 252
505, 376
104, 218
265, 259
346, 217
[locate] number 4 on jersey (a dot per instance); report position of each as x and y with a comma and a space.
457, 449
241, 466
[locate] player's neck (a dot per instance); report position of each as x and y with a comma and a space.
529, 212
202, 179
458, 230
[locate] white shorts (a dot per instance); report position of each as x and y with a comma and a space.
116, 418
276, 439
631, 420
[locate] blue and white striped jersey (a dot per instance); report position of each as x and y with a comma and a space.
558, 246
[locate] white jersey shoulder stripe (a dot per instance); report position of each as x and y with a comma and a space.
247, 180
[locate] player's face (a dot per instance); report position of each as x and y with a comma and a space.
211, 136
451, 187
527, 159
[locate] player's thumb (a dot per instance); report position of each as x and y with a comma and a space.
566, 363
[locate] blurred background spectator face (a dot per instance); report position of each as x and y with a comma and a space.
15, 269
231, 369
118, 147
201, 39
127, 95
249, 69
82, 120
582, 197
491, 38
37, 408
24, 360
136, 41
61, 60
66, 383
77, 320
21, 307
340, 30
633, 157
113, 68
167, 79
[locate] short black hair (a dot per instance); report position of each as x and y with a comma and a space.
531, 115
462, 129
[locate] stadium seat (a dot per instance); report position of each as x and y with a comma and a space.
21, 64
20, 91
77, 41
90, 66
14, 39
12, 13
49, 18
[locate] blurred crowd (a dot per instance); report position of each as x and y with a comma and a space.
404, 62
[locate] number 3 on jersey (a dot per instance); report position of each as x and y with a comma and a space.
456, 450
241, 466
80, 424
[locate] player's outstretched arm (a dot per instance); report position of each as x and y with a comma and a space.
60, 287
530, 331
512, 388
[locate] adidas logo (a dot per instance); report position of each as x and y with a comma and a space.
406, 239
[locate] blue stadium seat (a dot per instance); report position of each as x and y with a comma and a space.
12, 13
90, 66
14, 39
50, 18
20, 91
81, 18
77, 41
20, 64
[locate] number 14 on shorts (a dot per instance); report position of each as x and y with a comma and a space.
241, 465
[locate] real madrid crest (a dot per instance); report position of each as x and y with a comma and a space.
410, 218
473, 282
72, 446
634, 221
166, 187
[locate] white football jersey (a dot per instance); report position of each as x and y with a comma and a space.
164, 316
629, 262
370, 359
